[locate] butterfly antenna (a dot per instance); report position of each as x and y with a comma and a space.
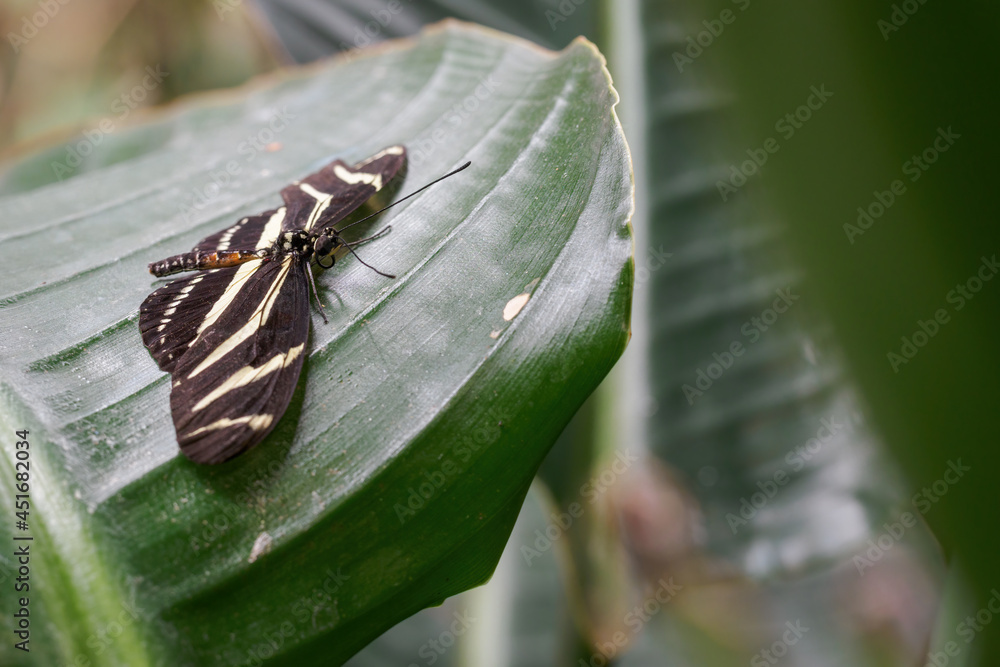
387, 275
312, 282
400, 201
370, 238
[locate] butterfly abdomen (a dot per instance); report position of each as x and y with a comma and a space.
195, 261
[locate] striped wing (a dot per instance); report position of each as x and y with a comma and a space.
233, 340
246, 234
335, 191
234, 382
170, 317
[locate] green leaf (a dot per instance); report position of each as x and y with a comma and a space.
395, 477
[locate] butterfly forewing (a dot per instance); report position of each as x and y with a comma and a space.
335, 191
234, 383
171, 317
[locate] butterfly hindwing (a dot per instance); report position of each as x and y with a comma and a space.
335, 191
246, 234
233, 384
171, 317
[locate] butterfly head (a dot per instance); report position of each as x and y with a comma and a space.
327, 243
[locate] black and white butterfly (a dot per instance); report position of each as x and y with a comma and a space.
233, 335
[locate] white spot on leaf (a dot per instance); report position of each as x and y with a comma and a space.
515, 305
261, 546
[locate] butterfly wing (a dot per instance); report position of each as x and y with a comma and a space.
234, 382
250, 233
335, 191
233, 340
172, 316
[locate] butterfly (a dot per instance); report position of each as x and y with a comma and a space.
233, 334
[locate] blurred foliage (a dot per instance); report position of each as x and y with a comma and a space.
64, 63
913, 107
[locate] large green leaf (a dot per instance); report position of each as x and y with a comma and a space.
417, 386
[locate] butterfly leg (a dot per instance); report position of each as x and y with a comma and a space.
370, 238
312, 282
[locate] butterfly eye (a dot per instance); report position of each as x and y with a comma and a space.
325, 245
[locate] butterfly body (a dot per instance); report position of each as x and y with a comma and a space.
298, 243
232, 335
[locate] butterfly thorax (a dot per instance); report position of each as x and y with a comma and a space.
299, 242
